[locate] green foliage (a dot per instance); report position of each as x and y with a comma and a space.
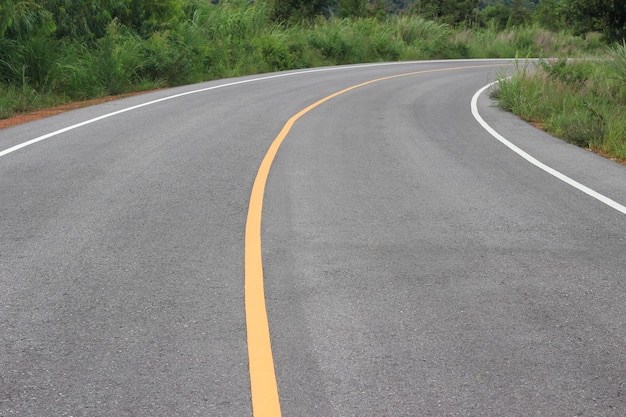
429, 39
551, 14
89, 19
575, 76
55, 50
119, 58
84, 19
509, 43
275, 54
147, 16
579, 101
415, 30
352, 8
16, 99
614, 142
453, 12
99, 49
79, 72
333, 42
376, 8
233, 22
605, 16
23, 19
520, 93
168, 60
297, 10
497, 16
27, 50
580, 122
617, 65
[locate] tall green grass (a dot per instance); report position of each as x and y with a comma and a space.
233, 38
581, 101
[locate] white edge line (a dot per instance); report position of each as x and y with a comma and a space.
127, 109
201, 90
535, 162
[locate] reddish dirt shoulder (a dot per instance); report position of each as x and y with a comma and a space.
40, 114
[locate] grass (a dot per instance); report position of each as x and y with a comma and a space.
237, 38
581, 101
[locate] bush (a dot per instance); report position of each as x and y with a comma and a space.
415, 30
199, 40
574, 75
274, 53
582, 102
167, 60
78, 74
120, 59
617, 64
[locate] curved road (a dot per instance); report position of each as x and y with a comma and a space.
413, 265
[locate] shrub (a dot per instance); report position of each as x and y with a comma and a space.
580, 101
415, 30
199, 40
574, 74
617, 62
78, 75
120, 58
168, 60
274, 53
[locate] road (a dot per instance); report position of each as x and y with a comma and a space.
412, 264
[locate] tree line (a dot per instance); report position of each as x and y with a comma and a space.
582, 16
88, 19
59, 50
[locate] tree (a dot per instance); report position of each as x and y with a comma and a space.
352, 8
147, 16
550, 14
400, 6
89, 19
82, 19
497, 16
286, 10
22, 19
452, 12
605, 16
520, 13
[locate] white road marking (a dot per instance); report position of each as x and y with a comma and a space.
201, 90
604, 199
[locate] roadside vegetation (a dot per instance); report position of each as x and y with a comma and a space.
54, 51
581, 101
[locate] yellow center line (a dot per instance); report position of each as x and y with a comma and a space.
263, 386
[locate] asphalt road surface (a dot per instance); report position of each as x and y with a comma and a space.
413, 265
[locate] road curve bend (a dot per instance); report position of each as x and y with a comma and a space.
403, 260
